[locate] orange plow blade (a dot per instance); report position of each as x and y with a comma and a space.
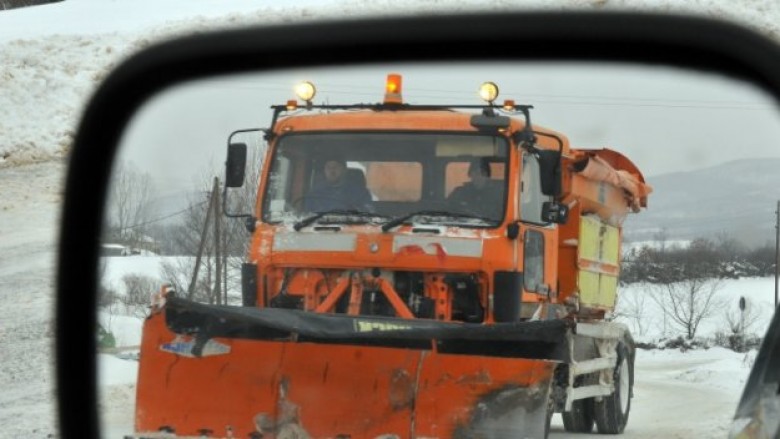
236, 382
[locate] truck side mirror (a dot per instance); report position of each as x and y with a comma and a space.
555, 212
550, 168
235, 165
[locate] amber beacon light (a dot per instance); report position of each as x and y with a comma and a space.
393, 89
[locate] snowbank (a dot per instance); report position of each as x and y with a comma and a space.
55, 55
113, 371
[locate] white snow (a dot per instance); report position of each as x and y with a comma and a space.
53, 56
118, 266
114, 371
29, 210
638, 298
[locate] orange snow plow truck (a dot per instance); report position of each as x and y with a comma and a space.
415, 271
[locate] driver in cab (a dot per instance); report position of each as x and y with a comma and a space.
481, 195
336, 190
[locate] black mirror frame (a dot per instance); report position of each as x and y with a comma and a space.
584, 36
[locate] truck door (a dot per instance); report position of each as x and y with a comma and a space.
536, 240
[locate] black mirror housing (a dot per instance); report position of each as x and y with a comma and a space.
490, 123
235, 165
250, 223
550, 167
555, 212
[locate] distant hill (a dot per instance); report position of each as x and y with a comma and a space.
737, 198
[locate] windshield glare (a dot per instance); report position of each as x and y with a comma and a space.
390, 175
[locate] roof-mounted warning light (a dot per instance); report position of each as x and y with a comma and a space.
305, 92
488, 91
393, 89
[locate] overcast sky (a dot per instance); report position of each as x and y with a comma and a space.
665, 120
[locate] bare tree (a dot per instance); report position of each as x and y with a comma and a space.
728, 247
131, 191
632, 307
108, 300
138, 291
687, 302
234, 239
106, 295
191, 230
193, 235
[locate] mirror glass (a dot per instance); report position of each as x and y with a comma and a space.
706, 144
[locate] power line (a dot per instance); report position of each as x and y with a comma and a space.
580, 100
349, 88
156, 220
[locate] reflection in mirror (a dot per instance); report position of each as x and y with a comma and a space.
358, 266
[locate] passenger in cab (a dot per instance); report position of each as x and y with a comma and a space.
339, 188
482, 195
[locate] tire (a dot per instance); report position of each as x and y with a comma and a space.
611, 413
550, 413
581, 417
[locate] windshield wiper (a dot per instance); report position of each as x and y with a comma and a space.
310, 219
401, 219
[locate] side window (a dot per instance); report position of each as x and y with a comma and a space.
278, 185
533, 261
531, 197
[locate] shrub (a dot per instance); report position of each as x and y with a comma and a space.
105, 339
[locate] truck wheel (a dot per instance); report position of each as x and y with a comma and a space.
580, 418
550, 413
611, 413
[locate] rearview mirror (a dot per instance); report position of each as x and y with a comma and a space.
685, 43
550, 168
235, 165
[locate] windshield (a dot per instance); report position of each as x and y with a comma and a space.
461, 176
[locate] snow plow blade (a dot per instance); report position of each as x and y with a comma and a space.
246, 372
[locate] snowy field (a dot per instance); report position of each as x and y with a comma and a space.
52, 58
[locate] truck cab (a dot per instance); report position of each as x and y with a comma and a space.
445, 208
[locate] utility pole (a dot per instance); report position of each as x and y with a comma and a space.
217, 246
191, 288
777, 249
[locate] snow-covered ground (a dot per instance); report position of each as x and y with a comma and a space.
52, 58
29, 211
